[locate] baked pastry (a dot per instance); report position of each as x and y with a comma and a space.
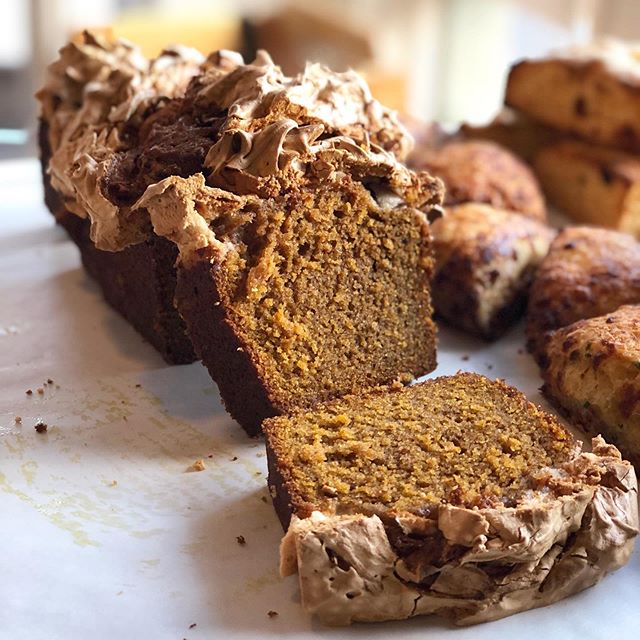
588, 90
514, 131
101, 87
588, 272
479, 171
304, 249
592, 184
455, 496
485, 261
593, 376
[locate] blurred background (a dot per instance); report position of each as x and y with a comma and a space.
432, 59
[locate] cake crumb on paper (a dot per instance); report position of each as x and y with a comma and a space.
18, 420
40, 426
241, 541
40, 391
29, 392
193, 625
198, 465
272, 613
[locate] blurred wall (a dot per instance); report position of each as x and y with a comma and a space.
436, 59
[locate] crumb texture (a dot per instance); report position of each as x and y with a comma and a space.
464, 440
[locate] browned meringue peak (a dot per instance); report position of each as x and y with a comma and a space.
95, 89
258, 94
99, 81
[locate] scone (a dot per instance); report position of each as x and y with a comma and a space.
593, 377
592, 184
591, 91
588, 272
478, 171
514, 131
455, 496
304, 249
485, 261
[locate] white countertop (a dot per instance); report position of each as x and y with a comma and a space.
105, 535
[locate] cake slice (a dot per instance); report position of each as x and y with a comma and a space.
481, 171
589, 90
592, 184
455, 496
588, 272
304, 250
593, 376
486, 259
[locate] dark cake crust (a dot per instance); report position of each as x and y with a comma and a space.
220, 349
138, 282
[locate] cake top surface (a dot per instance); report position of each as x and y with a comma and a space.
248, 128
462, 440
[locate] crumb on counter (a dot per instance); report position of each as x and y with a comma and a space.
465, 357
40, 426
198, 465
49, 381
40, 391
193, 625
113, 483
234, 458
29, 392
241, 541
263, 498
272, 613
18, 420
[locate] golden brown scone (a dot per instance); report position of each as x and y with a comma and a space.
478, 171
514, 131
588, 272
593, 377
592, 184
485, 261
592, 91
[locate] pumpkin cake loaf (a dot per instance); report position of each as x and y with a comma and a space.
305, 255
455, 496
101, 89
588, 272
